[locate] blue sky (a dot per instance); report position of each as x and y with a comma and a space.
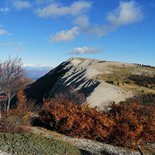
48, 32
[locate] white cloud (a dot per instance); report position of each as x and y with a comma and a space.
85, 25
4, 32
4, 10
84, 50
74, 9
19, 4
127, 13
66, 35
82, 21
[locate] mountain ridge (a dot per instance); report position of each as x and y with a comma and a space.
102, 82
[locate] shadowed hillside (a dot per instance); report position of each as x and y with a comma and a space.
101, 82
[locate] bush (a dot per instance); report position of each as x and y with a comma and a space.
148, 98
7, 126
143, 80
16, 120
126, 124
135, 124
111, 82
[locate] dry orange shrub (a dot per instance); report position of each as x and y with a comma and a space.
16, 120
125, 124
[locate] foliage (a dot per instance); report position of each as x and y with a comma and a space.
14, 120
142, 65
143, 80
135, 124
126, 124
148, 98
33, 144
7, 126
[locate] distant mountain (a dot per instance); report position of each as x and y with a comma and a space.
35, 72
102, 82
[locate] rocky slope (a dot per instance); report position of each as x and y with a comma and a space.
101, 82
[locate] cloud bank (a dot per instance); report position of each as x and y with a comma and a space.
127, 13
74, 9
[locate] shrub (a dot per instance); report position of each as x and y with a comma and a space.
135, 124
7, 126
125, 124
71, 119
111, 82
143, 80
15, 120
148, 98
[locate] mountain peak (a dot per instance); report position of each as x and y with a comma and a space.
102, 82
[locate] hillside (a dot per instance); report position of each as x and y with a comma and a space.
42, 141
102, 82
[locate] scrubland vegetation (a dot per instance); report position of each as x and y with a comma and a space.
148, 98
16, 136
127, 124
140, 79
16, 120
143, 80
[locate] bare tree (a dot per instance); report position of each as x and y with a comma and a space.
0, 112
11, 78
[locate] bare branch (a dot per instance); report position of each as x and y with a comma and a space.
11, 77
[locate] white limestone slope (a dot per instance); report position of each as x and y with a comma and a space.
105, 94
87, 71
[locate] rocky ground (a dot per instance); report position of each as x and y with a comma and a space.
89, 147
